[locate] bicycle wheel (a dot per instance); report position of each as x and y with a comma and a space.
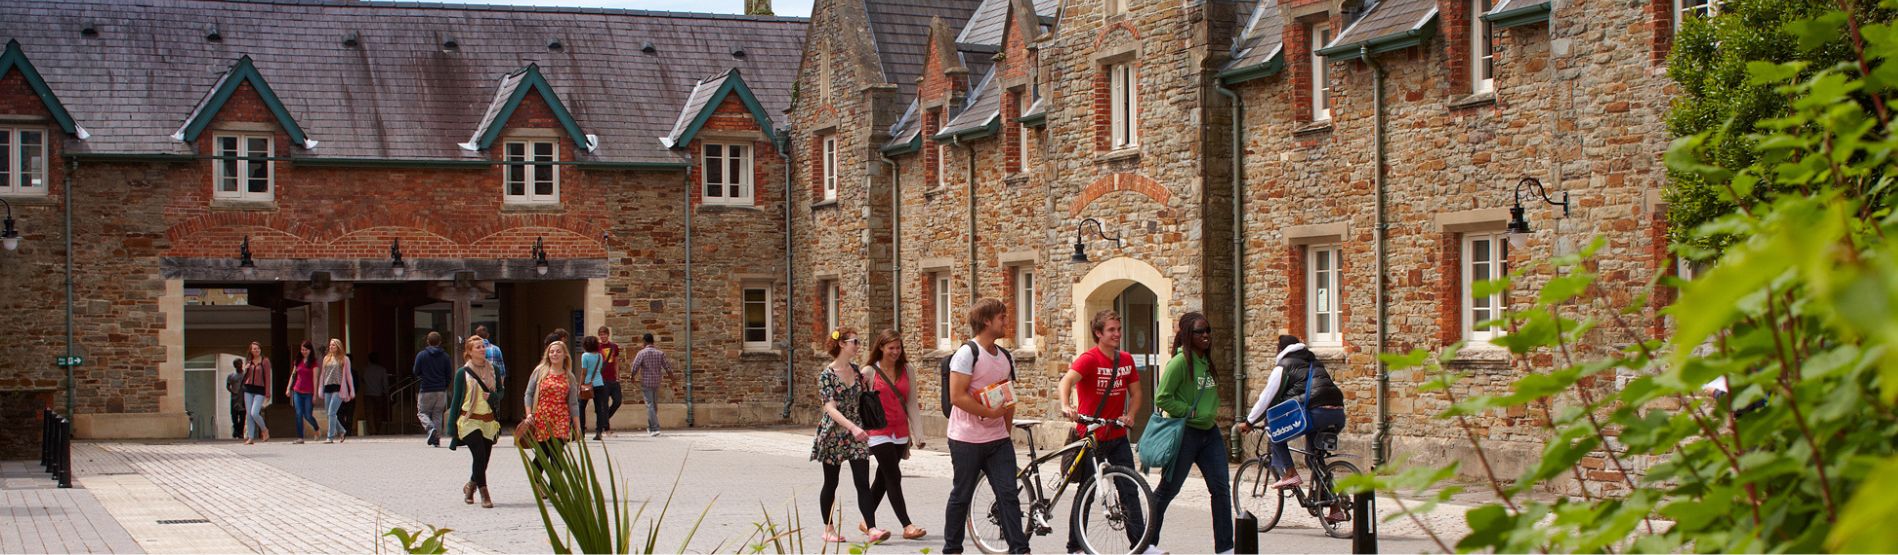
985, 517
1339, 502
1113, 512
1252, 491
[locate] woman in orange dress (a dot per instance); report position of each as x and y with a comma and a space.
553, 404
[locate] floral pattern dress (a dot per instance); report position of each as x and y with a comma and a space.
834, 443
550, 405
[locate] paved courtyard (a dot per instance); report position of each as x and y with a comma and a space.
283, 498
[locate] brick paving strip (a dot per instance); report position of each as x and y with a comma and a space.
37, 517
249, 506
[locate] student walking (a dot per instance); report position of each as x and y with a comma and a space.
339, 386
553, 405
500, 365
234, 384
609, 369
302, 388
979, 441
591, 363
889, 375
841, 438
256, 395
470, 417
1189, 388
432, 367
1104, 383
651, 365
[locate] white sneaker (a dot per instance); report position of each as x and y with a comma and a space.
654, 433
1154, 550
1225, 552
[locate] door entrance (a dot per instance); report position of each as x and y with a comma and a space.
1140, 337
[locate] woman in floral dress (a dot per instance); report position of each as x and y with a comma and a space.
553, 404
841, 438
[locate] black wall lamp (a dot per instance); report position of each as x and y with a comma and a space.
243, 258
540, 258
395, 259
1080, 231
1519, 226
9, 237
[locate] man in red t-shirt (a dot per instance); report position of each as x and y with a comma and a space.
1104, 371
609, 351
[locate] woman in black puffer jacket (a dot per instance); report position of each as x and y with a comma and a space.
1296, 368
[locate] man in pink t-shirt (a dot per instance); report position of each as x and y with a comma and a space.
1093, 377
978, 434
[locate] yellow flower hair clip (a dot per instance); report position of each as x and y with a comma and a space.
835, 335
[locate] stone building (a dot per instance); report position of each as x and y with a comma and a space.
276, 171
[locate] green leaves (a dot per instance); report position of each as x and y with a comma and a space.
415, 542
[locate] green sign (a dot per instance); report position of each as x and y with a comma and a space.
66, 362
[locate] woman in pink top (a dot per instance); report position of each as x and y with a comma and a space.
889, 374
302, 388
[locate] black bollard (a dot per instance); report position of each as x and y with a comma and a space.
1245, 532
65, 453
1364, 523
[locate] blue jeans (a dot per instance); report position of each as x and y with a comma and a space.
971, 461
1115, 452
1206, 448
254, 416
333, 404
1318, 420
302, 402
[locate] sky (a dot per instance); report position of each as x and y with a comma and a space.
799, 8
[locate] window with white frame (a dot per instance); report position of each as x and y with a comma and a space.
757, 317
1482, 52
244, 169
1694, 8
830, 167
727, 171
1025, 308
1322, 308
945, 325
1484, 258
1026, 100
23, 161
831, 312
942, 150
1124, 105
1115, 7
532, 175
1320, 75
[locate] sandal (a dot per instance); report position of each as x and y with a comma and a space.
878, 535
912, 532
832, 537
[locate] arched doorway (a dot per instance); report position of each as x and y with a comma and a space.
1141, 295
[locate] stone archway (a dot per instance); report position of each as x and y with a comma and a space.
1101, 285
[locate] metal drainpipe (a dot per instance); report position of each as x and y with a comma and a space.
1380, 448
970, 172
1238, 244
790, 288
896, 244
689, 416
71, 168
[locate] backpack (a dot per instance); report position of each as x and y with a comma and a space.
943, 370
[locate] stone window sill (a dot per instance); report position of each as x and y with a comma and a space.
536, 208
1016, 179
1124, 153
1482, 351
936, 192
1313, 128
822, 204
30, 199
1474, 101
1329, 352
710, 207
244, 205
761, 354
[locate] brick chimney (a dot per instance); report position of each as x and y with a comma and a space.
758, 7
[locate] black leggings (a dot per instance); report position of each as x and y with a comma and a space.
860, 474
889, 479
482, 449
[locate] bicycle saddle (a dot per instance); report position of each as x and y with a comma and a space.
1025, 424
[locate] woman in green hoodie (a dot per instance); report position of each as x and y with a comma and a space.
1189, 388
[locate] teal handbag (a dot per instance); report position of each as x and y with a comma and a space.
1160, 441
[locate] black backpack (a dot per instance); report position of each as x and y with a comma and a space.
943, 370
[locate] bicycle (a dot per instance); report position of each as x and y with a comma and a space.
1099, 512
1252, 486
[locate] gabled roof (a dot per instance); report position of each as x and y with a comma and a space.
395, 93
982, 115
1511, 13
241, 72
900, 31
1037, 113
906, 135
983, 32
1391, 25
514, 88
1260, 50
705, 99
15, 59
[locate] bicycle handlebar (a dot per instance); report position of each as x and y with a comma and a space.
1095, 423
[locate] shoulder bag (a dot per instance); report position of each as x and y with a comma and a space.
869, 405
1074, 434
1287, 420
1160, 441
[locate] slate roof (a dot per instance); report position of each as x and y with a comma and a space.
984, 30
901, 31
1507, 5
983, 106
1388, 19
501, 94
701, 93
906, 128
1262, 39
398, 94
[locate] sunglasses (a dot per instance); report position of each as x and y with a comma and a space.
851, 341
1204, 331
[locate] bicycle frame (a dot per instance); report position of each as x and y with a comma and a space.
1321, 486
1038, 500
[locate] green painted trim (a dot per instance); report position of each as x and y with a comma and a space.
244, 71
1526, 15
532, 80
129, 156
1037, 120
734, 83
986, 130
1239, 75
667, 166
914, 145
15, 58
1380, 45
392, 163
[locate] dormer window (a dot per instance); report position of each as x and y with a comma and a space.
533, 177
1320, 82
244, 170
727, 172
1482, 52
22, 161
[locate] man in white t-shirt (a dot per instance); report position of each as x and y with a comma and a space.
978, 434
